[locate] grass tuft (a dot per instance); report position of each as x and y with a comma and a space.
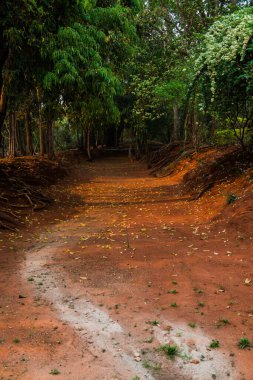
231, 198
214, 344
54, 372
170, 350
173, 291
244, 343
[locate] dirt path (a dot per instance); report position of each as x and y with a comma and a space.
126, 267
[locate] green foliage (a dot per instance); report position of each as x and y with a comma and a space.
172, 91
223, 77
173, 291
226, 42
152, 68
54, 372
224, 137
244, 343
170, 350
222, 322
231, 198
154, 323
214, 344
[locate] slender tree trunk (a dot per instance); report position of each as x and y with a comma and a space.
28, 135
88, 144
50, 140
186, 128
82, 141
4, 53
96, 139
3, 109
12, 135
19, 137
130, 152
137, 149
195, 127
41, 136
176, 123
40, 125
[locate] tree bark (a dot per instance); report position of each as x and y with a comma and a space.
4, 53
137, 149
3, 109
28, 133
88, 144
82, 140
41, 135
50, 140
176, 124
195, 135
40, 125
12, 135
186, 128
20, 138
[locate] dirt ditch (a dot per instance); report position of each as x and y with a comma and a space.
120, 268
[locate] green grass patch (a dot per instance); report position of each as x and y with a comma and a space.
173, 291
222, 322
244, 343
54, 372
231, 198
170, 350
214, 344
198, 291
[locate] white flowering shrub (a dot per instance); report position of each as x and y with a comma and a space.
223, 77
225, 42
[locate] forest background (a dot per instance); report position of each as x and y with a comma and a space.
85, 73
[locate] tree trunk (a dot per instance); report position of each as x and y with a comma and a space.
12, 135
4, 53
50, 140
195, 127
41, 135
176, 124
88, 144
3, 108
130, 152
19, 137
137, 149
40, 125
186, 128
28, 134
82, 141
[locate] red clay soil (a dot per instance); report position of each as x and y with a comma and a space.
120, 266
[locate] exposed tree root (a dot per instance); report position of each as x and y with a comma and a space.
9, 221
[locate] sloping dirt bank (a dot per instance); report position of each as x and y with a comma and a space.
124, 266
23, 183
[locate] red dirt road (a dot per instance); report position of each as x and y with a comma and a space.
120, 266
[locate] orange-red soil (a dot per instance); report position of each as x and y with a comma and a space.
130, 247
